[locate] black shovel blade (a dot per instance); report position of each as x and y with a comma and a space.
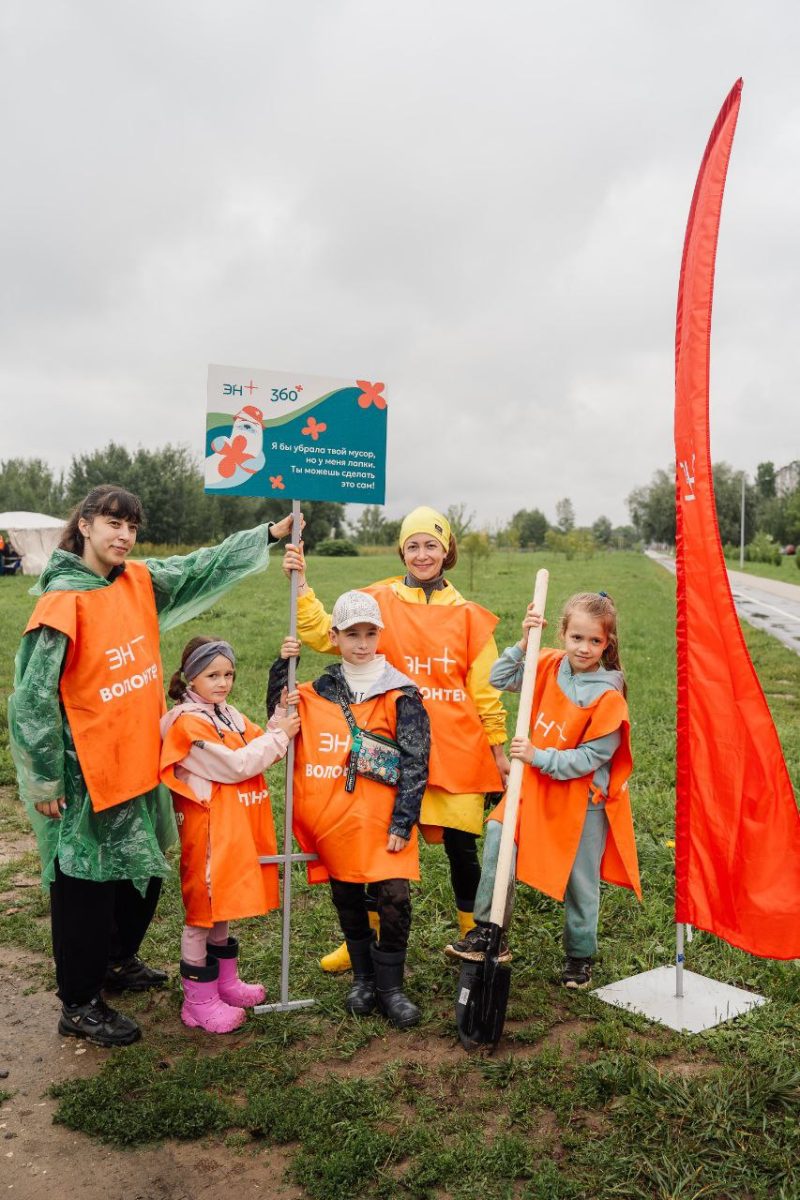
481, 1005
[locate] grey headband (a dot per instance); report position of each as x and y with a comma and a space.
199, 659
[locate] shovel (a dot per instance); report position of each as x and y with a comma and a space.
483, 987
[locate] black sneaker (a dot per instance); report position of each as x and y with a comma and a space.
133, 975
473, 947
98, 1023
577, 972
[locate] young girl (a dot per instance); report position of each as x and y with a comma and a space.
575, 826
365, 835
212, 760
83, 726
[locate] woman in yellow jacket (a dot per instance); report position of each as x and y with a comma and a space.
446, 645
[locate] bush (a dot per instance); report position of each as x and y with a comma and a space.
337, 548
763, 548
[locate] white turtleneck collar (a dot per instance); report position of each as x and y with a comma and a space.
362, 677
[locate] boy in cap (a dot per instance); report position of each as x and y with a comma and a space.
361, 768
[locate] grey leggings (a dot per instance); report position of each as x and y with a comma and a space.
582, 897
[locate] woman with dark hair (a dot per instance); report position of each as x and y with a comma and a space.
446, 645
84, 730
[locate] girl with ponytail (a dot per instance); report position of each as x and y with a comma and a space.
212, 760
575, 826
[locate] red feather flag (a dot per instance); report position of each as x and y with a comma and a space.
737, 825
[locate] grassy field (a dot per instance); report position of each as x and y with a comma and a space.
580, 1100
786, 570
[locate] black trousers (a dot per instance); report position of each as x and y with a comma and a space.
465, 870
95, 924
392, 899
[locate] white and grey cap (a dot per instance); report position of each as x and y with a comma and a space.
356, 608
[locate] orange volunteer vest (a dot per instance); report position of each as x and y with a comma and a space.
435, 645
348, 830
111, 685
221, 838
552, 812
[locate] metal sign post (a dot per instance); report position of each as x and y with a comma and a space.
281, 435
288, 857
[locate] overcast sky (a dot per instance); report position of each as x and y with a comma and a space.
482, 204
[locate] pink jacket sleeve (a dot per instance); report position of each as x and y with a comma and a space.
216, 762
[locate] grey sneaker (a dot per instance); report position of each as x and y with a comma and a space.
577, 972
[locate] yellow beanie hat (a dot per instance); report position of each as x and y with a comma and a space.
425, 520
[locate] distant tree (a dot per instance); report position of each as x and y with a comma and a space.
112, 464
624, 537
531, 526
565, 515
460, 518
474, 547
728, 497
792, 519
601, 531
372, 528
29, 485
652, 509
765, 480
572, 543
556, 541
771, 517
169, 482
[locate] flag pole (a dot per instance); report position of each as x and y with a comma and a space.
287, 858
679, 958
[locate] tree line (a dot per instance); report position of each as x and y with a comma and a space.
169, 482
770, 519
527, 529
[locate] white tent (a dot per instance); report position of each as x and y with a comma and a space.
34, 536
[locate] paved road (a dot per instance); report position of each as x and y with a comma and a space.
768, 604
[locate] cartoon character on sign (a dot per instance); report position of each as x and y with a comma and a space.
236, 458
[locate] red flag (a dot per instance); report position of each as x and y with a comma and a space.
737, 857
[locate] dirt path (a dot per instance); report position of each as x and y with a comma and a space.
43, 1161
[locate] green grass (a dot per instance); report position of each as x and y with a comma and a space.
786, 570
581, 1100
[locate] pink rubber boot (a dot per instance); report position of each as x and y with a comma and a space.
231, 988
203, 1007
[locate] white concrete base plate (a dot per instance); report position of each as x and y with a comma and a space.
704, 1004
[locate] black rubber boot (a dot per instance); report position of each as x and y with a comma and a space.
230, 949
392, 1002
361, 998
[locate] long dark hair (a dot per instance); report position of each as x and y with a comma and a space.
107, 500
177, 684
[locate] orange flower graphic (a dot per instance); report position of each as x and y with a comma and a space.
314, 428
234, 455
371, 394
276, 481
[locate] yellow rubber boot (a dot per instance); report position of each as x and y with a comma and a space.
466, 921
339, 959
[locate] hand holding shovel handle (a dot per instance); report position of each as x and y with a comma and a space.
483, 987
502, 878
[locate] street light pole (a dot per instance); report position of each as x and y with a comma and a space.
741, 537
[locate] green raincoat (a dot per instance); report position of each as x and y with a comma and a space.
127, 841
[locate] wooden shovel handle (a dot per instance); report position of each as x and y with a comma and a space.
503, 874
